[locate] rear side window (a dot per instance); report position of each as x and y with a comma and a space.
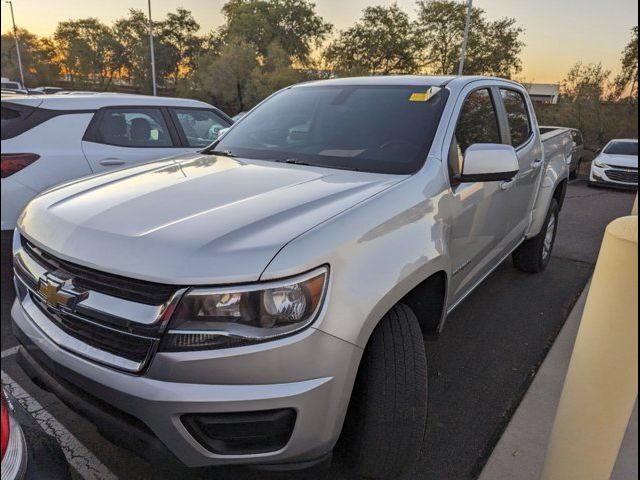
14, 119
517, 116
200, 126
133, 127
477, 123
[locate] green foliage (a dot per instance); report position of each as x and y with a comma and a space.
88, 50
293, 24
382, 42
224, 79
586, 103
626, 83
38, 59
493, 47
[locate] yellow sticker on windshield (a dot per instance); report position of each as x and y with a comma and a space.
423, 96
420, 97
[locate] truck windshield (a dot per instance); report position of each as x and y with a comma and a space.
381, 129
622, 148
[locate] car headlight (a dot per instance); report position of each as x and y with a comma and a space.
599, 163
208, 318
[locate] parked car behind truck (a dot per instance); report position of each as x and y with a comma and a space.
254, 303
49, 139
616, 165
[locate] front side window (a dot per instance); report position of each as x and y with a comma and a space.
381, 128
200, 126
517, 116
135, 127
477, 123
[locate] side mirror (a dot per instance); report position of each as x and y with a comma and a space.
489, 162
222, 131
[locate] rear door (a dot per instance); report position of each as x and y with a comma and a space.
123, 136
520, 134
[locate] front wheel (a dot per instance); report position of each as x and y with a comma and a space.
384, 429
533, 255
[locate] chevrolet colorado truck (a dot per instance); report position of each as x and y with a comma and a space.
266, 301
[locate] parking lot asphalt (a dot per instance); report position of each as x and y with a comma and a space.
479, 368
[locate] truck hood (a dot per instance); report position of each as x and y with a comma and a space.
199, 219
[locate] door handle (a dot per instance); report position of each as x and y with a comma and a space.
507, 184
109, 162
536, 163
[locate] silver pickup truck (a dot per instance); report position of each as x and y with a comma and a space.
266, 301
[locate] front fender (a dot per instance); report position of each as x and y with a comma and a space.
377, 251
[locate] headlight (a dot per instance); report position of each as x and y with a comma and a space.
599, 163
208, 318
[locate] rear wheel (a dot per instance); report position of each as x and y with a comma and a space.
384, 429
534, 254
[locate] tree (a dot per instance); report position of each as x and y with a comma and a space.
493, 47
133, 33
223, 80
582, 102
88, 51
38, 59
179, 31
275, 73
292, 24
627, 79
383, 41
585, 83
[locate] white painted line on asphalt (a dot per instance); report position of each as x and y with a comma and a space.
10, 351
78, 456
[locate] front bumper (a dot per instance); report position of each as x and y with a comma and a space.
613, 176
311, 373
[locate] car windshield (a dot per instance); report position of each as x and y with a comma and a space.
622, 148
382, 129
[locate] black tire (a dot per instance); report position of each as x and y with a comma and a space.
532, 256
386, 421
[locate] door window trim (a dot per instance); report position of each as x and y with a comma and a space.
92, 133
505, 115
500, 124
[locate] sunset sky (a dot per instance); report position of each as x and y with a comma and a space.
557, 33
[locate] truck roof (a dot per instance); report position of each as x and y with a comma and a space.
427, 80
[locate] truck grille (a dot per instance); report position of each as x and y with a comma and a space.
117, 342
626, 176
106, 318
141, 291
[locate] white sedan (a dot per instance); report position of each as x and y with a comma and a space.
616, 165
50, 139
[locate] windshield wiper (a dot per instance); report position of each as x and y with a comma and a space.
222, 153
297, 161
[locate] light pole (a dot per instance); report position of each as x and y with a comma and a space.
153, 61
463, 49
15, 36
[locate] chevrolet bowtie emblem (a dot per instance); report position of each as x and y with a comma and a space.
59, 293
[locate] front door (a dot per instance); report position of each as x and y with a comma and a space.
479, 210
